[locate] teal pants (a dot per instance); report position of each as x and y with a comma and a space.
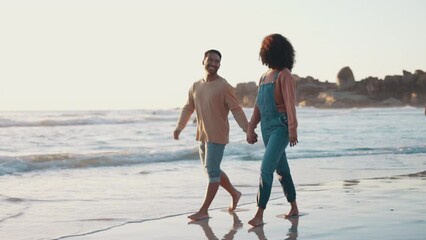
275, 138
211, 155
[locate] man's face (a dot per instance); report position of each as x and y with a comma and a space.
211, 63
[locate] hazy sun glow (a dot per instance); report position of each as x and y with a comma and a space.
95, 54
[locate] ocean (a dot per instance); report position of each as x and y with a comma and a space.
72, 173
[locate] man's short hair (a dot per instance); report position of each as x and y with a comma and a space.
212, 51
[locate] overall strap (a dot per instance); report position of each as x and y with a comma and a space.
276, 76
263, 77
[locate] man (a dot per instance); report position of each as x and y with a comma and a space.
212, 98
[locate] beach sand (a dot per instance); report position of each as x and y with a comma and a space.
391, 207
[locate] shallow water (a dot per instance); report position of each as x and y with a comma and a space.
76, 172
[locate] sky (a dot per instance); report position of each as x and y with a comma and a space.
123, 54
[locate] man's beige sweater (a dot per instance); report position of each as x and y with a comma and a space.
212, 102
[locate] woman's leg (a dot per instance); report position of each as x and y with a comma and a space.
284, 176
274, 149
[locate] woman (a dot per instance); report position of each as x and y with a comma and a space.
275, 109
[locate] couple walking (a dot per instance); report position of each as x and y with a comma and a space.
213, 97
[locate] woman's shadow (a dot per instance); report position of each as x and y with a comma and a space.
204, 224
292, 231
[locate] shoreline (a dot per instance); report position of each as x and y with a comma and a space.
154, 111
372, 208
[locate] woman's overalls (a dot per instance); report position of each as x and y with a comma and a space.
274, 127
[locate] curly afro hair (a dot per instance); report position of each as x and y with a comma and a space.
277, 52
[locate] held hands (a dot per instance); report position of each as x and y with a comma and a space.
251, 137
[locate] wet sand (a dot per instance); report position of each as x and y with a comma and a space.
390, 207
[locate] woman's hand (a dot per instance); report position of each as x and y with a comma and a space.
251, 137
293, 141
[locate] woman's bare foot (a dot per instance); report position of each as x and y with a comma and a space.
256, 222
198, 216
235, 198
294, 211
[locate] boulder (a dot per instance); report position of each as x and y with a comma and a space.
408, 78
345, 79
246, 93
373, 87
392, 83
419, 72
421, 84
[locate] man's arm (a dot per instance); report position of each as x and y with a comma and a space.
236, 109
254, 120
255, 117
185, 114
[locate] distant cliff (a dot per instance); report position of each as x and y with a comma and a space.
408, 89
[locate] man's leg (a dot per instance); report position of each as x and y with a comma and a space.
208, 199
235, 194
213, 156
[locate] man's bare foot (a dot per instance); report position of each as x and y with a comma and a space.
237, 222
256, 222
235, 199
198, 216
293, 212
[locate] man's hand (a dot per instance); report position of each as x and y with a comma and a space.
251, 137
176, 134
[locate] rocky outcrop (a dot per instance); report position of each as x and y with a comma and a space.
396, 90
345, 79
246, 93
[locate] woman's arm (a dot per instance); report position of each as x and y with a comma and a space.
288, 90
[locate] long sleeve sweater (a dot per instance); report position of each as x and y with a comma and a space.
285, 100
212, 102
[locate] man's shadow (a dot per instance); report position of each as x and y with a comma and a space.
204, 224
292, 231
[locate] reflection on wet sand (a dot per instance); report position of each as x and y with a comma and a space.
260, 233
237, 225
292, 231
208, 231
